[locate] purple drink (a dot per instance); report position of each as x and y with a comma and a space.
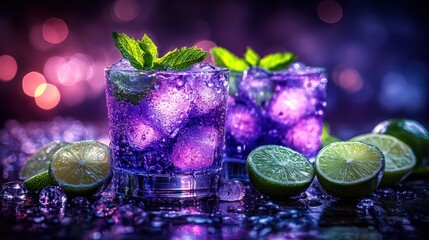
167, 129
283, 107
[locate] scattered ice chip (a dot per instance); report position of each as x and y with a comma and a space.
141, 134
304, 137
243, 124
195, 148
232, 190
288, 106
104, 207
52, 196
13, 191
257, 85
169, 105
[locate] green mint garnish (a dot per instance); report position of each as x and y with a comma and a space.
180, 59
150, 50
277, 61
143, 54
130, 49
225, 58
251, 57
272, 62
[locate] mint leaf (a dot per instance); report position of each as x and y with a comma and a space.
277, 61
251, 57
150, 49
130, 49
126, 87
224, 58
180, 59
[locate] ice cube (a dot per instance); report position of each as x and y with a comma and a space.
207, 94
233, 190
195, 148
204, 67
13, 191
304, 137
141, 134
257, 86
104, 207
243, 123
169, 105
288, 106
123, 64
52, 196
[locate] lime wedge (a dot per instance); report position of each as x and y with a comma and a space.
39, 161
349, 169
82, 167
39, 181
279, 172
399, 157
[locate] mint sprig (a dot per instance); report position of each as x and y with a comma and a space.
143, 54
273, 62
225, 58
182, 58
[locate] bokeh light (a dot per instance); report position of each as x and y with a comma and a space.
125, 10
206, 45
399, 93
8, 68
31, 81
69, 70
329, 11
350, 80
55, 30
47, 96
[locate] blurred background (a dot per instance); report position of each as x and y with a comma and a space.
53, 53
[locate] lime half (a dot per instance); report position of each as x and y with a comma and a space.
82, 167
39, 161
349, 169
399, 157
411, 132
39, 181
279, 172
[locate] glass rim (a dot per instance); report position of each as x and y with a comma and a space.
175, 72
307, 71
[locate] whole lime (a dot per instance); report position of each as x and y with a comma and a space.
413, 133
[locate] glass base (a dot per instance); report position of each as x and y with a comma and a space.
234, 169
140, 185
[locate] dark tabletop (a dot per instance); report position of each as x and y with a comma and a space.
400, 212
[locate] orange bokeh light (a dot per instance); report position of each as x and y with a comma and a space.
55, 30
31, 82
48, 96
8, 68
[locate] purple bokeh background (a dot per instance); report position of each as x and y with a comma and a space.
376, 53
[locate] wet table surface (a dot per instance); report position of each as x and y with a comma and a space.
401, 212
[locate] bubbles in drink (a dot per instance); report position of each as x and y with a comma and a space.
141, 134
195, 148
304, 136
170, 105
243, 124
288, 106
257, 86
